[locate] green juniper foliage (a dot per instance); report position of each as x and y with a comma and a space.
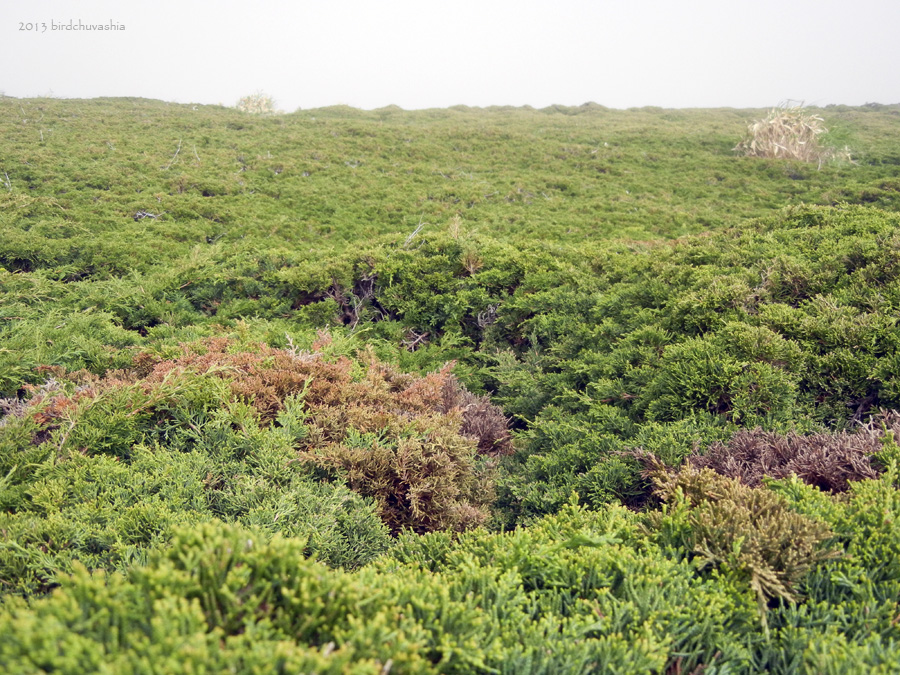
343, 391
748, 532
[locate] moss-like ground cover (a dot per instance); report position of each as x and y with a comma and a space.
344, 391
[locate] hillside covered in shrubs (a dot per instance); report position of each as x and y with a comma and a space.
502, 390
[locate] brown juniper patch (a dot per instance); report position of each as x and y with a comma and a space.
830, 461
411, 443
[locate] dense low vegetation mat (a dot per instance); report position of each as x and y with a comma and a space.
474, 391
99, 469
582, 591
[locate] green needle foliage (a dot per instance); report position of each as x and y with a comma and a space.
746, 531
343, 391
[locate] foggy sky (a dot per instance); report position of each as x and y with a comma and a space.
424, 53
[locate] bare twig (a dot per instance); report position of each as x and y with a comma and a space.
414, 340
8, 184
174, 157
487, 317
65, 436
413, 234
146, 214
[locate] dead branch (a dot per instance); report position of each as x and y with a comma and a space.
174, 157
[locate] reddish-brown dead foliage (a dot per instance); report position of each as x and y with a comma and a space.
420, 435
481, 419
828, 461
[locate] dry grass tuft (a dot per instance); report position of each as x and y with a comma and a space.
789, 132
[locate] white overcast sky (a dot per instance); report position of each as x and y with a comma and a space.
425, 53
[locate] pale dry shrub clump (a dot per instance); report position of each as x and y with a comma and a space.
257, 104
789, 132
